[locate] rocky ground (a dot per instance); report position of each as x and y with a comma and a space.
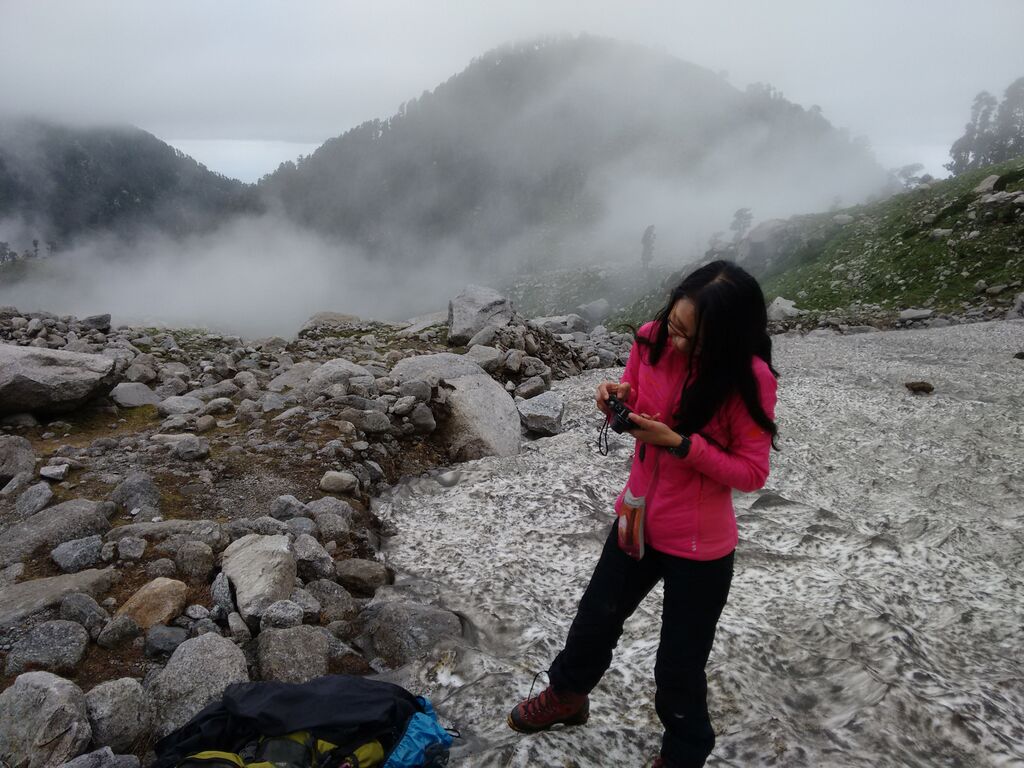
180, 510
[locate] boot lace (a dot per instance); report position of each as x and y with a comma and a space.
545, 702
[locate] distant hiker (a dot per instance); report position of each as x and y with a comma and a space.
703, 368
647, 241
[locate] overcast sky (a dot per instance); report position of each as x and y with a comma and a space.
243, 85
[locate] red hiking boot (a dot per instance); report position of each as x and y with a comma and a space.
547, 709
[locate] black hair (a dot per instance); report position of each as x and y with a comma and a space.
731, 328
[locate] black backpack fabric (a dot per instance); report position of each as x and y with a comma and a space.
342, 709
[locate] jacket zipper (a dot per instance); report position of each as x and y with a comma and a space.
700, 497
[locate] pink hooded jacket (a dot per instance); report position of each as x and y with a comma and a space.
689, 504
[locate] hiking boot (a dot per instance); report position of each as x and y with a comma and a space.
547, 709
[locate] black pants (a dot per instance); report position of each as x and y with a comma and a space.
695, 593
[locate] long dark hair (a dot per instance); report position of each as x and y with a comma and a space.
731, 328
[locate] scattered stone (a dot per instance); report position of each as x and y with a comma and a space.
191, 448
361, 577
74, 519
54, 646
531, 387
133, 395
220, 591
197, 673
422, 419
157, 602
400, 631
103, 758
162, 640
281, 615
194, 561
312, 559
920, 387
543, 414
336, 604
240, 632
25, 598
16, 457
285, 507
119, 631
33, 499
293, 655
472, 309
339, 482
782, 309
136, 490
56, 473
987, 184
484, 420
83, 609
131, 548
78, 554
916, 314
262, 570
179, 405
43, 721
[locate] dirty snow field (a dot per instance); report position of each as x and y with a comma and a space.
877, 612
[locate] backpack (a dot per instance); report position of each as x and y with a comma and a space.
334, 721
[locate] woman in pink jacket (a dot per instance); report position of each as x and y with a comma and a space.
701, 386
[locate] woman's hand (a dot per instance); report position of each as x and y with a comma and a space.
650, 430
605, 388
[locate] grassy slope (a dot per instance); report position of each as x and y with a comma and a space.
888, 256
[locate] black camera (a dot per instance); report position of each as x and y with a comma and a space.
619, 416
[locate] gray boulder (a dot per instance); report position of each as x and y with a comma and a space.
103, 758
78, 554
69, 520
285, 507
133, 394
334, 375
1016, 312
473, 308
336, 604
339, 482
162, 641
363, 577
33, 499
488, 358
431, 369
17, 601
293, 655
595, 312
16, 456
43, 721
281, 615
173, 533
484, 420
262, 570
54, 646
916, 314
42, 380
178, 405
136, 490
120, 713
118, 632
400, 631
84, 610
194, 561
561, 324
196, 674
783, 309
542, 414
312, 559
531, 387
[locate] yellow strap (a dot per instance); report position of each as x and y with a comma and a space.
212, 755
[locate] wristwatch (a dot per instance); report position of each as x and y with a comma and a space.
680, 451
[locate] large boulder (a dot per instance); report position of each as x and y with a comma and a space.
399, 631
16, 457
472, 309
55, 646
484, 420
294, 377
262, 570
26, 598
173, 533
336, 374
120, 714
43, 722
442, 366
561, 324
543, 413
41, 380
70, 520
157, 602
293, 655
782, 309
197, 673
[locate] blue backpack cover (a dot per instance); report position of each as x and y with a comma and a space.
424, 744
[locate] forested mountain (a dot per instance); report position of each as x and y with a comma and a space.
60, 181
536, 142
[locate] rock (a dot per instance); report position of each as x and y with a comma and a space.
484, 337
157, 602
1016, 312
531, 387
103, 758
488, 358
83, 609
136, 490
33, 499
484, 420
403, 406
543, 414
240, 632
16, 456
293, 655
473, 308
167, 532
842, 219
286, 507
194, 561
432, 369
281, 615
362, 577
782, 309
18, 601
339, 482
54, 646
399, 631
197, 673
162, 640
133, 394
131, 548
415, 388
335, 375
69, 520
220, 591
178, 405
18, 484
595, 312
39, 380
262, 570
312, 559
422, 419
369, 421
916, 314
119, 631
55, 472
293, 378
310, 606
78, 554
43, 721
940, 234
920, 387
561, 324
336, 604
987, 184
191, 448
